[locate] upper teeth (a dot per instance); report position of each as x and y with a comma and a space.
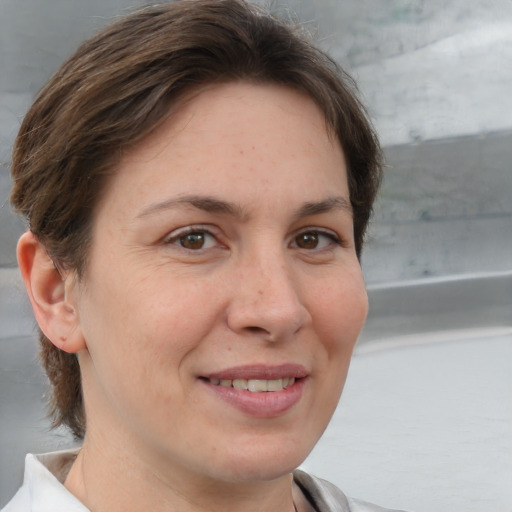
255, 385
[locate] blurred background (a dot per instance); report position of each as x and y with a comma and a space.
425, 422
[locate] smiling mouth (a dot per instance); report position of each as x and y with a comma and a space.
259, 391
254, 385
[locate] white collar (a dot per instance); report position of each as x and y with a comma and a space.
43, 489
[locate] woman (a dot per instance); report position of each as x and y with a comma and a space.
197, 180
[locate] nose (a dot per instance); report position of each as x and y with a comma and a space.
267, 301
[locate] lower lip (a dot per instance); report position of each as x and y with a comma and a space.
267, 404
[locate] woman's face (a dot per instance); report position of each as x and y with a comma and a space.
222, 259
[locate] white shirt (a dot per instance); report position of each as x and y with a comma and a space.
43, 485
43, 489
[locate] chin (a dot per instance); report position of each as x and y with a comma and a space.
261, 462
263, 472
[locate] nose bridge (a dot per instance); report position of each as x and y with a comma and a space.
272, 277
268, 296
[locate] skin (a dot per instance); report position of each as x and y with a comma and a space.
268, 277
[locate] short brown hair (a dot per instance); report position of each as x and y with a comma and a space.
120, 84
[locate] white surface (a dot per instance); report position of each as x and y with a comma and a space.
426, 427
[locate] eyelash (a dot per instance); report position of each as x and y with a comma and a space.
174, 239
330, 235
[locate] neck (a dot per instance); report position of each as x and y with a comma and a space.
113, 479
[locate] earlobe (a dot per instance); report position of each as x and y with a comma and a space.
53, 308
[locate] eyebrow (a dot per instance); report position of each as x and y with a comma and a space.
205, 203
331, 203
214, 205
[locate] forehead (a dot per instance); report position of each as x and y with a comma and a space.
241, 138
238, 108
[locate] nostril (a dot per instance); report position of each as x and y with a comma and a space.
255, 329
261, 333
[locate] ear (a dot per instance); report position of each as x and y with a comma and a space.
50, 295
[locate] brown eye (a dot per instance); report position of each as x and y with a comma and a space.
193, 241
307, 240
316, 240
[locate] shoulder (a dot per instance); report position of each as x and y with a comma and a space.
326, 497
42, 489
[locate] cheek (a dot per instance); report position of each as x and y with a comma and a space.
142, 323
340, 313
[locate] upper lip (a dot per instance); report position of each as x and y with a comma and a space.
260, 372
